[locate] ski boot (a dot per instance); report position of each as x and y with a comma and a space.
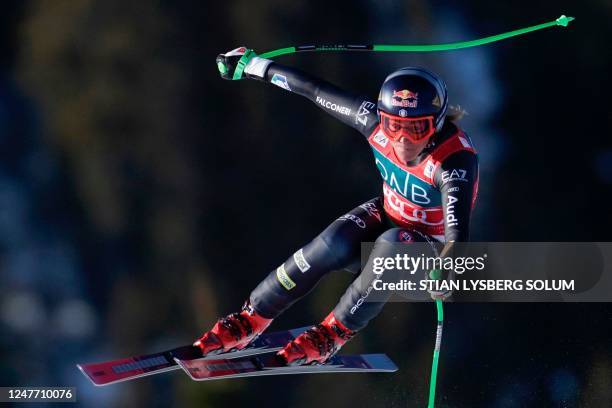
317, 344
233, 332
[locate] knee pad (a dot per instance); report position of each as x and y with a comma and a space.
338, 244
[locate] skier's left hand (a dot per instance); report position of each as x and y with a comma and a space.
440, 274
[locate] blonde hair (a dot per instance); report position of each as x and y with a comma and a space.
455, 112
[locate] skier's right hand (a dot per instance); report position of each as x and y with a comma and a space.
231, 64
439, 274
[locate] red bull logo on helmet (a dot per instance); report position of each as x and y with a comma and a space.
405, 98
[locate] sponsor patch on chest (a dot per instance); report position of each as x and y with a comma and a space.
409, 185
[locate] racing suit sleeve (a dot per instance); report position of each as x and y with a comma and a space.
456, 178
354, 110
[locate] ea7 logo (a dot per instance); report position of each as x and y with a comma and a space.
363, 112
454, 174
372, 210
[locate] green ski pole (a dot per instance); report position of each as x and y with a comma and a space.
436, 355
562, 21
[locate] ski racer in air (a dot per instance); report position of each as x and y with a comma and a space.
429, 169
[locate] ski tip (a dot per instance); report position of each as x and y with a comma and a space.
84, 372
381, 362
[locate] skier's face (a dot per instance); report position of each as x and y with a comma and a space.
406, 150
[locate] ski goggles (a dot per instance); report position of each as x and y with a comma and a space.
414, 129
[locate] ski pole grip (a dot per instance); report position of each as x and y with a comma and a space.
242, 63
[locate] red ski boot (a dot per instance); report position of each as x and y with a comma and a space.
317, 344
235, 331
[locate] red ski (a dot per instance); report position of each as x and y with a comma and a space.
110, 372
271, 364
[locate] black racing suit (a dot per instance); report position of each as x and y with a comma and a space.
338, 246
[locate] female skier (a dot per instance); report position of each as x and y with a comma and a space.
430, 181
